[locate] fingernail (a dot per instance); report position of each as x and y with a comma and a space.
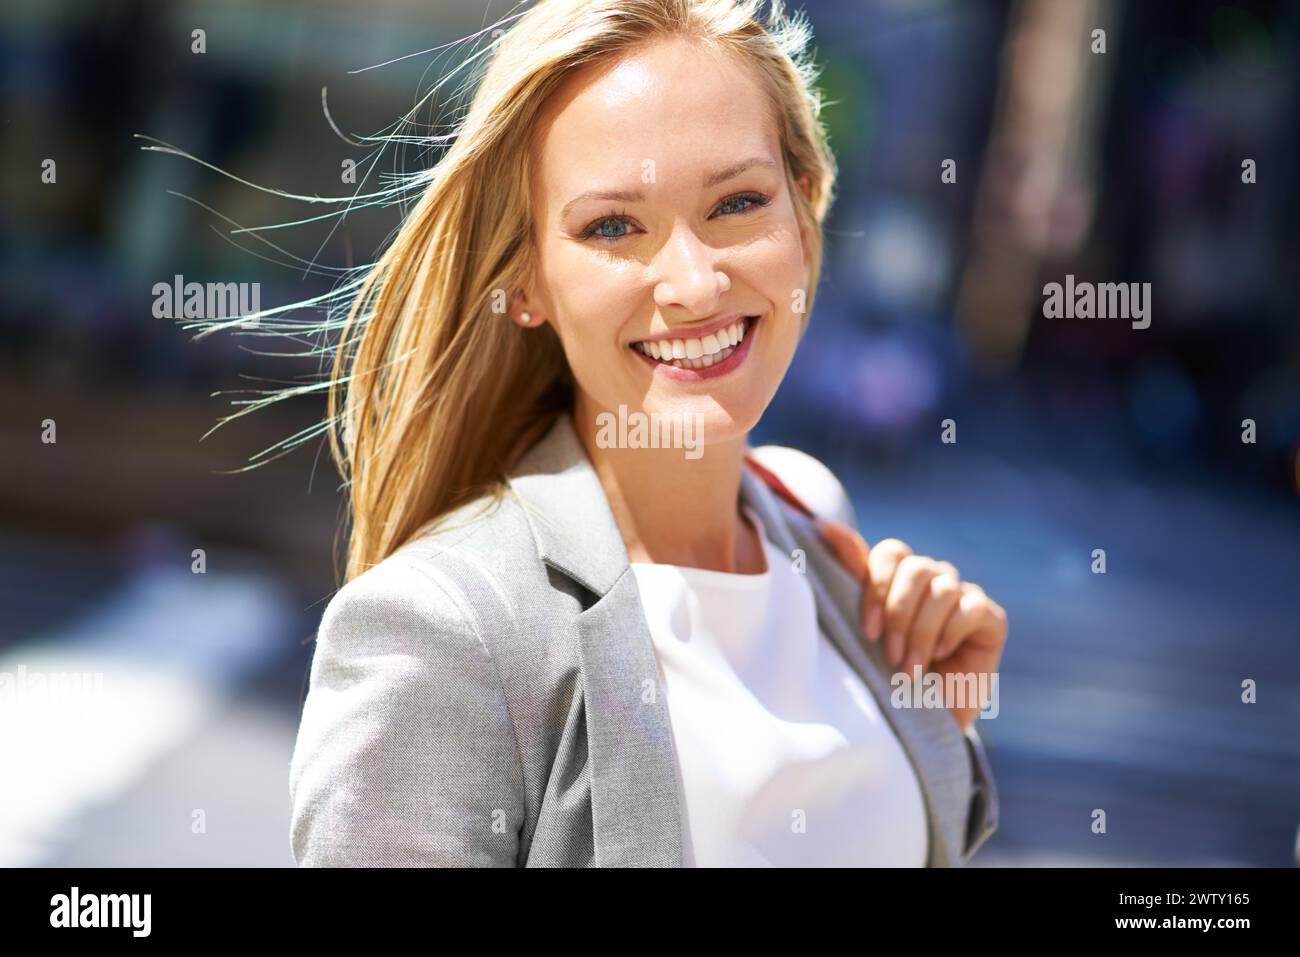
894, 648
874, 622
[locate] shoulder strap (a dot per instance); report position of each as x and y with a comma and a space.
777, 486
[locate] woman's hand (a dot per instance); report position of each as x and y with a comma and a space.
927, 614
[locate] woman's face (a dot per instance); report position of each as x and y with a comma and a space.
664, 218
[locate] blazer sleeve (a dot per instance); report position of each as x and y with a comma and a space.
406, 753
825, 495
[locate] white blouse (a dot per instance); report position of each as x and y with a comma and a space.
783, 754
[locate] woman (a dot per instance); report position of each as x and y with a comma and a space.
583, 623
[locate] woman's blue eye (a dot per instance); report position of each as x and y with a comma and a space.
726, 207
756, 200
599, 227
741, 199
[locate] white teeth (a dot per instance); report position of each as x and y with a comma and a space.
696, 353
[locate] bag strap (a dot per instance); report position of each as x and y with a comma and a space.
777, 486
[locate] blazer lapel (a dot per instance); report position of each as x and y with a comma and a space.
635, 797
930, 736
635, 792
635, 805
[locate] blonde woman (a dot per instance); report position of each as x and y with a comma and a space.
583, 623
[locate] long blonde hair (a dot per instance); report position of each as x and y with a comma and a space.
433, 393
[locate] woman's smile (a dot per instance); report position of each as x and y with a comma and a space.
720, 349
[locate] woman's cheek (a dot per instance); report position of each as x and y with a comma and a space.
776, 272
589, 294
597, 285
593, 313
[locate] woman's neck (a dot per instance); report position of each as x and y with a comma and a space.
676, 510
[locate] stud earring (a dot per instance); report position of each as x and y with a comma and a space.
526, 318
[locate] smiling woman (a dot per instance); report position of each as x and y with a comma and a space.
556, 649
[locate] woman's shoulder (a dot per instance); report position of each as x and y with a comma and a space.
809, 479
458, 574
407, 700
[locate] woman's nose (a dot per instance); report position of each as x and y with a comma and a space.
689, 277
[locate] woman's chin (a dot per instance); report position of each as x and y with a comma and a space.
706, 419
670, 413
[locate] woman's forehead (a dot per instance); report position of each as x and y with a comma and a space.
682, 106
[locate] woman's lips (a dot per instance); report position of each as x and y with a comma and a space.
726, 359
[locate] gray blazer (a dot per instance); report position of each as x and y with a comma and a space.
489, 694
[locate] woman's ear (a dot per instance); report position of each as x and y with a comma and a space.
524, 311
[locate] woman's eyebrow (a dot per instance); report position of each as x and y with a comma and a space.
722, 175
636, 196
623, 196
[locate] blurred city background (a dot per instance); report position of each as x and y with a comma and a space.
1120, 691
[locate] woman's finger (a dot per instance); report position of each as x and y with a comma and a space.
976, 617
909, 587
942, 596
885, 557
